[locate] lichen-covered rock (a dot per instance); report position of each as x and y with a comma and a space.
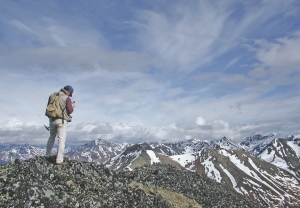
39, 182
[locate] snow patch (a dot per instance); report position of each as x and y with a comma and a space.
295, 147
153, 157
234, 184
210, 170
183, 159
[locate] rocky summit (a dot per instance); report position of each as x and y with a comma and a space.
38, 182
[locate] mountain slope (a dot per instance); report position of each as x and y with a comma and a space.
294, 143
281, 154
133, 156
248, 175
239, 170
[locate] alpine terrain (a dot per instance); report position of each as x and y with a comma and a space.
262, 168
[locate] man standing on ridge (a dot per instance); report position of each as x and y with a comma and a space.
59, 109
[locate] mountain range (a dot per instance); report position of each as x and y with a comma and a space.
265, 168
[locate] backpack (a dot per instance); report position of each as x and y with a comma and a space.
53, 109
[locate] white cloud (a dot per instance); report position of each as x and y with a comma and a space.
158, 65
200, 121
14, 131
281, 56
84, 132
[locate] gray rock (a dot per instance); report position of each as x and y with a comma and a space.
38, 182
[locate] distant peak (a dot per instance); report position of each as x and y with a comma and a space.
224, 138
193, 140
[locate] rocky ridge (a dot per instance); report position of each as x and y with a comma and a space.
38, 182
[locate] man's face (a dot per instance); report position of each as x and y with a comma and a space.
68, 92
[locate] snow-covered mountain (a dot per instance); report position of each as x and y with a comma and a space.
226, 143
136, 156
247, 174
11, 152
8, 153
182, 147
194, 145
98, 151
257, 142
283, 154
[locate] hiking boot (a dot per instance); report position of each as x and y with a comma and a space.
62, 163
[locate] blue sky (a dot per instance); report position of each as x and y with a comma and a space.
170, 70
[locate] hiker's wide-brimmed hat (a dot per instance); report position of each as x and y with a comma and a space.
70, 88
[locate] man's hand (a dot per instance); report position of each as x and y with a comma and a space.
73, 104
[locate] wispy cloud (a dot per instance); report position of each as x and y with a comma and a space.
234, 64
280, 54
